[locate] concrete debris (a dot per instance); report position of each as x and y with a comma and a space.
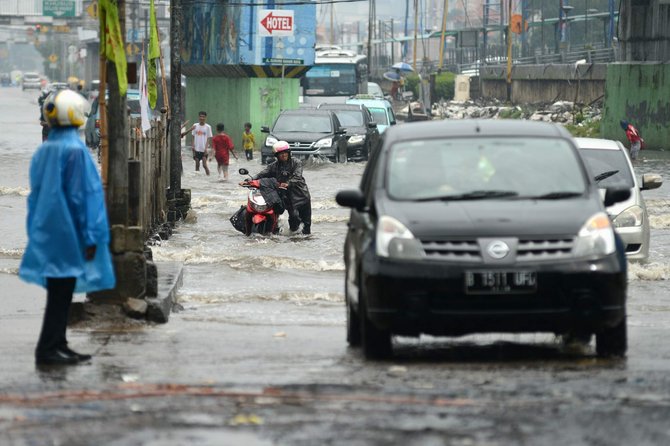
563, 112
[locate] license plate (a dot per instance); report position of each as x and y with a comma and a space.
500, 282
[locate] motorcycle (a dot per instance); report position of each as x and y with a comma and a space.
265, 203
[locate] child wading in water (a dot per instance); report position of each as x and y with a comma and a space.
223, 147
248, 141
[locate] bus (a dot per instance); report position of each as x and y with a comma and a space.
336, 75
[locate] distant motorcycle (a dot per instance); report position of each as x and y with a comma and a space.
265, 203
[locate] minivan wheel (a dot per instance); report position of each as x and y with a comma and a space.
612, 341
376, 343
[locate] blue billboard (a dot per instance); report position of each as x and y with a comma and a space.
216, 33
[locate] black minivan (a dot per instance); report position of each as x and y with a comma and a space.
475, 226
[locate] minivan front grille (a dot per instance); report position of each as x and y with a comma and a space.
532, 250
544, 249
452, 250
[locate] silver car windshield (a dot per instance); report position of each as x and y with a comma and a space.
478, 168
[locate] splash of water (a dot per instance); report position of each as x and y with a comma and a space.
20, 191
649, 271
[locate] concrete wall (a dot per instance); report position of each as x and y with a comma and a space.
638, 93
235, 101
583, 83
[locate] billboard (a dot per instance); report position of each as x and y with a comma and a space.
216, 33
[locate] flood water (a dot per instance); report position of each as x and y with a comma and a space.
283, 278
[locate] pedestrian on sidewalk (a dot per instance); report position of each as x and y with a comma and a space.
68, 231
223, 148
248, 141
634, 138
202, 141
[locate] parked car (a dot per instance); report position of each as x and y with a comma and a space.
381, 109
611, 166
31, 80
362, 133
474, 226
309, 132
92, 126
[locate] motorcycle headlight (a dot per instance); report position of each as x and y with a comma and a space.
632, 216
356, 139
325, 142
270, 141
259, 207
394, 240
596, 237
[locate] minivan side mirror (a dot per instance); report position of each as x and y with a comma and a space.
651, 181
613, 195
372, 125
352, 198
265, 129
341, 131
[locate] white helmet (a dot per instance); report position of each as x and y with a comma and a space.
281, 146
65, 108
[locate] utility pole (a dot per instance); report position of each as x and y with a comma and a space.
509, 50
416, 29
372, 17
444, 29
175, 96
332, 28
117, 127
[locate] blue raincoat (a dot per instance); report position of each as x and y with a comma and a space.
66, 214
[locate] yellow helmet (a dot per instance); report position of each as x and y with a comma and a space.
65, 108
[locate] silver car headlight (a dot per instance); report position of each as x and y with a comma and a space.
322, 143
596, 237
356, 139
633, 216
270, 141
394, 240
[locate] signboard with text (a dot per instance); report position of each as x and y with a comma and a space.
58, 8
275, 23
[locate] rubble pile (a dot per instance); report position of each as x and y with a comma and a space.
563, 112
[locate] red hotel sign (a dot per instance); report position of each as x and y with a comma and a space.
276, 22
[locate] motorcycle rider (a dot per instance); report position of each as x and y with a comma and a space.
288, 172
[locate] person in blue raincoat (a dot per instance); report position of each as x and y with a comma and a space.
68, 231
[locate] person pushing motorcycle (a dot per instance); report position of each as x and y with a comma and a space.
288, 172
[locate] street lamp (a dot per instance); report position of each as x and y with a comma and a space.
587, 28
564, 30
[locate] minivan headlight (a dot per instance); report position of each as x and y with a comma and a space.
394, 240
325, 142
596, 237
270, 141
632, 216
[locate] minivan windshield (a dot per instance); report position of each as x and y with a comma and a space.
484, 167
303, 123
602, 162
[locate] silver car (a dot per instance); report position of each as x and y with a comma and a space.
611, 165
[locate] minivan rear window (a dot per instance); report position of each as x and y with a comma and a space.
519, 167
603, 161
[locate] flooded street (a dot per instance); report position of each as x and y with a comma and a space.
257, 355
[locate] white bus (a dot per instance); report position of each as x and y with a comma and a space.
336, 75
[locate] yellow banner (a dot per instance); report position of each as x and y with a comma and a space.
111, 40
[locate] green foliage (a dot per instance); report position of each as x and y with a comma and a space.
412, 84
511, 113
444, 85
588, 129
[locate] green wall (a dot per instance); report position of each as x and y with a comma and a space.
638, 93
235, 101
